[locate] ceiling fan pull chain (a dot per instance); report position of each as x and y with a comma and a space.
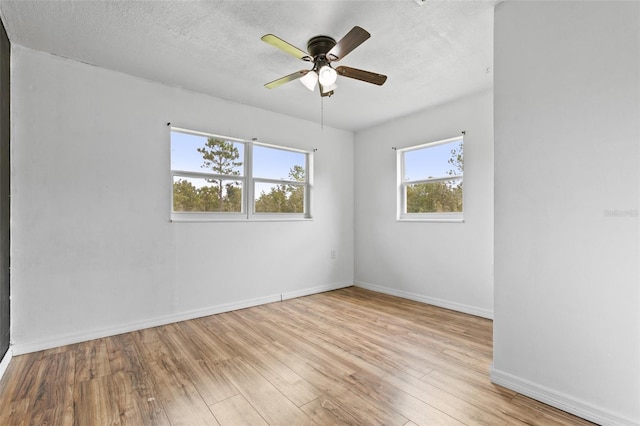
321, 113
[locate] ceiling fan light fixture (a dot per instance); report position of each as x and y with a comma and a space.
310, 80
327, 75
327, 89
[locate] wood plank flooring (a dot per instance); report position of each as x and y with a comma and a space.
346, 357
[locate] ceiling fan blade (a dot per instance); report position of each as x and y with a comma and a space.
286, 47
287, 78
353, 39
369, 77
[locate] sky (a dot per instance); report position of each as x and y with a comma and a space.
429, 162
275, 163
267, 162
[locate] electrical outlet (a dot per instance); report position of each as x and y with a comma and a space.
332, 255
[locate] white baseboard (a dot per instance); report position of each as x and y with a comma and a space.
4, 363
472, 310
559, 400
71, 338
315, 290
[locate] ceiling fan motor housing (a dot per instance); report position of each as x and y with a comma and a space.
320, 45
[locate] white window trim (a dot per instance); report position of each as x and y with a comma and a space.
248, 186
401, 188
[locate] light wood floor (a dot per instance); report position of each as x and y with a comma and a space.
344, 357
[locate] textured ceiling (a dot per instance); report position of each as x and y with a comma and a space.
432, 53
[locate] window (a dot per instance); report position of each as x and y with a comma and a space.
221, 178
279, 179
430, 178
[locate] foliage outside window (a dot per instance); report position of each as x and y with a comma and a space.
216, 177
274, 193
430, 181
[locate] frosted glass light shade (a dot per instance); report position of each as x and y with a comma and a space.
327, 75
327, 89
309, 80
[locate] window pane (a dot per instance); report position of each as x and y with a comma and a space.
272, 163
195, 153
435, 197
206, 195
272, 198
434, 162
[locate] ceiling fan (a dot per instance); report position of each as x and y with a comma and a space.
322, 51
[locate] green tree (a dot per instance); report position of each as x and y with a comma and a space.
225, 195
434, 197
186, 197
221, 157
234, 197
297, 173
456, 160
285, 198
296, 192
439, 197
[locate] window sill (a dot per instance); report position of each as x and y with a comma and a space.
207, 218
432, 220
434, 217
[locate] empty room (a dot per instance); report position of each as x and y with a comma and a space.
410, 212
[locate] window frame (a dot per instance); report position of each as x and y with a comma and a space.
248, 182
306, 184
402, 184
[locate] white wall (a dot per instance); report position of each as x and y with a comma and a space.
93, 251
446, 264
567, 114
